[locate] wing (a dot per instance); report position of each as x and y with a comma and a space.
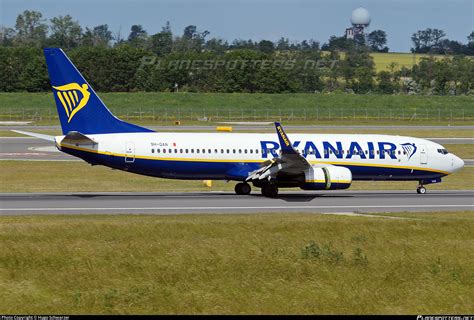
289, 163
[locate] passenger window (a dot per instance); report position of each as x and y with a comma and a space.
233, 150
164, 150
175, 150
152, 150
251, 150
157, 150
240, 150
245, 150
192, 150
197, 150
186, 151
215, 150
222, 150
228, 151
203, 150
169, 150
256, 151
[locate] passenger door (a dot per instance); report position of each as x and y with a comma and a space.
423, 154
130, 152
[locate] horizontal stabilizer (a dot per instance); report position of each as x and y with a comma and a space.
36, 135
77, 138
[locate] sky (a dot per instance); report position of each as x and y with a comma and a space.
260, 19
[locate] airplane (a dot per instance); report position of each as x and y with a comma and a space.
266, 161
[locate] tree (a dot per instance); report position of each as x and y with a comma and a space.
427, 40
30, 28
7, 36
266, 46
469, 48
162, 42
192, 39
385, 83
99, 36
377, 40
65, 32
243, 44
338, 43
447, 46
138, 36
283, 44
217, 45
470, 37
359, 41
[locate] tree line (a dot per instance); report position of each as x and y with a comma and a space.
194, 61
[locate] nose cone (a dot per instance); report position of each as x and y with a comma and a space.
458, 163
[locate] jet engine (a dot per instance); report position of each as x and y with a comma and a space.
327, 178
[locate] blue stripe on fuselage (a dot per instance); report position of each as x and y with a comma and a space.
198, 170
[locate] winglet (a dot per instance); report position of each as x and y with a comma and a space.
285, 143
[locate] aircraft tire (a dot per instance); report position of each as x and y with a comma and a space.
242, 188
270, 190
421, 190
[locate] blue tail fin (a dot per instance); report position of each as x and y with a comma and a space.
79, 107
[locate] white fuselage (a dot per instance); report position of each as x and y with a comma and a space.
234, 155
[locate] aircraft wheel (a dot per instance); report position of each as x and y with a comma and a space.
270, 190
242, 188
421, 190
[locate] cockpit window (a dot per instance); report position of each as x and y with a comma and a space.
443, 151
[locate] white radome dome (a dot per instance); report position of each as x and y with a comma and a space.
360, 16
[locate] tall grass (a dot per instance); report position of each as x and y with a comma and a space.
237, 264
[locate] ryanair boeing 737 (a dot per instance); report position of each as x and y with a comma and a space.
266, 161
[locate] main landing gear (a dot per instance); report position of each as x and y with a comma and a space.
242, 188
270, 190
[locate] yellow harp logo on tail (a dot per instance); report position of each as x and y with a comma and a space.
73, 97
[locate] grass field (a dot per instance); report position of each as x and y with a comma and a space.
237, 264
383, 60
24, 176
333, 108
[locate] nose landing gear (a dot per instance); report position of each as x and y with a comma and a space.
421, 189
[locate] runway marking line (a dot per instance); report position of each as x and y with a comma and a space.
239, 208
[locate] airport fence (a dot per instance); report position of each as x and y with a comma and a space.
256, 114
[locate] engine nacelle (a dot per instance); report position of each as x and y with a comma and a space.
327, 178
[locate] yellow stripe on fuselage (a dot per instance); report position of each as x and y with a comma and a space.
248, 161
332, 181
